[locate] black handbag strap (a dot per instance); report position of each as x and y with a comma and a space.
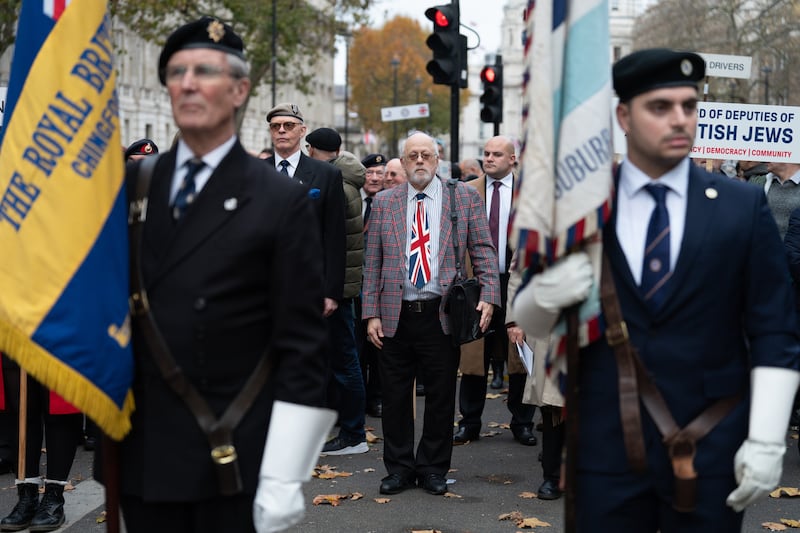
454, 221
218, 431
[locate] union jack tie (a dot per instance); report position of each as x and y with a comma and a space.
655, 270
419, 260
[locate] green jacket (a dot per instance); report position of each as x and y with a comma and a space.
354, 175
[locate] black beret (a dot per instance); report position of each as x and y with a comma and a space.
141, 147
374, 160
326, 139
207, 32
654, 68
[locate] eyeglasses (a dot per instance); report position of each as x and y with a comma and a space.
413, 156
201, 72
374, 171
288, 126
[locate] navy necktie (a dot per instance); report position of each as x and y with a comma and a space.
284, 167
367, 210
187, 191
656, 268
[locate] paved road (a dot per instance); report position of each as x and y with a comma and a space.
487, 479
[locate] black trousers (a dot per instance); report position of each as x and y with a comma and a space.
368, 357
419, 342
233, 514
472, 393
552, 443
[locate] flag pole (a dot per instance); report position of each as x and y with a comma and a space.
110, 451
572, 421
22, 423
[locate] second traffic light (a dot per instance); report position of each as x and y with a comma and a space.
492, 97
448, 66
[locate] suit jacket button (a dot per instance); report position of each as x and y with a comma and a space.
200, 304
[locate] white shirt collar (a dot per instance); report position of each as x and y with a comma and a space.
293, 159
212, 159
632, 179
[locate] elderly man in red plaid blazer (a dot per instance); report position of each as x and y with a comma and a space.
410, 263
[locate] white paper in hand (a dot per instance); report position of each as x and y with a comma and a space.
526, 355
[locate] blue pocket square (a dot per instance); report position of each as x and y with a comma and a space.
313, 194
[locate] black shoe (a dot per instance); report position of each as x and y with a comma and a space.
395, 484
90, 443
548, 490
497, 382
433, 483
526, 437
50, 514
25, 509
463, 436
420, 389
375, 409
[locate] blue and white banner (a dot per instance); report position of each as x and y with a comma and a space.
63, 223
564, 194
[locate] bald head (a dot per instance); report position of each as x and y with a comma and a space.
498, 157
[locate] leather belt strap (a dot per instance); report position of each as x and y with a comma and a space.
219, 432
634, 382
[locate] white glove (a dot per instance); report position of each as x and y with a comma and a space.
538, 305
289, 457
759, 462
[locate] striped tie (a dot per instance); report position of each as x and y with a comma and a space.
187, 191
656, 269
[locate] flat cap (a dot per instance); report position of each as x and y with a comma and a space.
654, 68
327, 139
207, 32
374, 160
141, 147
285, 110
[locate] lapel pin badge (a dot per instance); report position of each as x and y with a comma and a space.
230, 204
711, 193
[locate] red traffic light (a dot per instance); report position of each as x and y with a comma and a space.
488, 74
442, 16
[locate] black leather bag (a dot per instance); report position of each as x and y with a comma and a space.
463, 294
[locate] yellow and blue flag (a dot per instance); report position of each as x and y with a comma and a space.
63, 224
564, 192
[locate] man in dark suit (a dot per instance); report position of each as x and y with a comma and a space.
707, 324
324, 184
232, 273
495, 189
409, 265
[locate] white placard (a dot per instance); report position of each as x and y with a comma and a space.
727, 66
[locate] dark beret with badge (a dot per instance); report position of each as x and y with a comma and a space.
285, 110
374, 160
207, 32
655, 68
327, 139
141, 147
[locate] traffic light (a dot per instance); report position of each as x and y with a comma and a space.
492, 97
448, 46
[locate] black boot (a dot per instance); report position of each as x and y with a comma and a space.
22, 514
497, 379
50, 514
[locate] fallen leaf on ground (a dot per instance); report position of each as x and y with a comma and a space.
452, 495
790, 492
514, 515
369, 470
491, 433
532, 522
382, 500
69, 486
332, 475
773, 526
493, 425
426, 531
330, 499
528, 495
452, 470
101, 518
372, 438
493, 396
790, 523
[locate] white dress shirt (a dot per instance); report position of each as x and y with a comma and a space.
212, 160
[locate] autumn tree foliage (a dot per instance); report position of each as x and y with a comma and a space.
766, 30
372, 77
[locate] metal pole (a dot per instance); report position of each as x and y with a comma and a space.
274, 50
395, 64
346, 86
454, 94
